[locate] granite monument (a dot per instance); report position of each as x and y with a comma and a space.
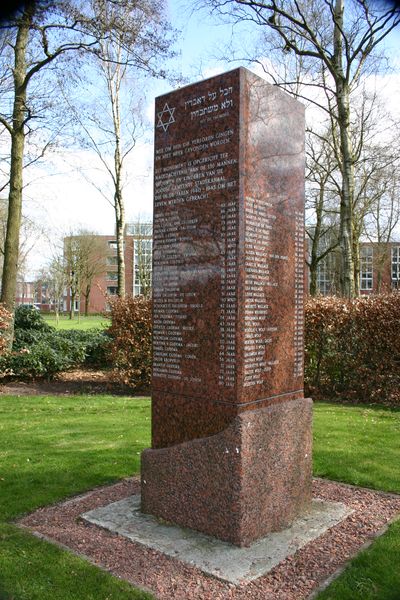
231, 429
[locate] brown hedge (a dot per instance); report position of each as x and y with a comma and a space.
5, 319
352, 348
130, 347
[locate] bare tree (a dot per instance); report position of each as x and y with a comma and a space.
54, 277
321, 192
72, 262
383, 218
84, 258
376, 203
138, 47
376, 171
335, 43
93, 252
30, 233
41, 35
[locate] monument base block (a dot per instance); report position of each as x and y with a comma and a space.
251, 479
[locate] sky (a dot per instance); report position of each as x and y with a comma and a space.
61, 196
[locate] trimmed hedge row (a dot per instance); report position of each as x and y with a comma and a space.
352, 348
131, 341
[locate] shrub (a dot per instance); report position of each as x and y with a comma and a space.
41, 351
95, 342
352, 348
43, 359
29, 318
130, 347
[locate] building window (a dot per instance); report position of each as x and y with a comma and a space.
111, 261
139, 229
112, 245
112, 275
112, 290
324, 276
396, 267
142, 259
366, 268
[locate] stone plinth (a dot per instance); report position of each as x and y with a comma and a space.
231, 430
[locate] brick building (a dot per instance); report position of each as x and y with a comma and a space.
34, 293
379, 269
26, 292
138, 255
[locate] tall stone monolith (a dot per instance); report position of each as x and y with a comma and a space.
231, 429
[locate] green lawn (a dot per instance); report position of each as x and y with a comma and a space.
361, 445
358, 445
51, 448
90, 322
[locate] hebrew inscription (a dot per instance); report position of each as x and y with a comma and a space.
228, 247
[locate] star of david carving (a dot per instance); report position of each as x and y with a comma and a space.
165, 117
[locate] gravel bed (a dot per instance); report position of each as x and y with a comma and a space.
293, 579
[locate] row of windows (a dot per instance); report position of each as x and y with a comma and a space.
396, 266
324, 277
143, 258
145, 229
326, 268
142, 263
366, 268
139, 229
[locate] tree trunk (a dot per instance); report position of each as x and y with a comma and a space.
120, 227
72, 306
347, 166
11, 246
313, 279
379, 281
119, 208
346, 206
316, 241
87, 299
356, 262
314, 259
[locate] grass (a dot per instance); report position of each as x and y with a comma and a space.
50, 448
53, 447
358, 445
89, 322
373, 575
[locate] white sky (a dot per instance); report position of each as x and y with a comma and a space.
65, 200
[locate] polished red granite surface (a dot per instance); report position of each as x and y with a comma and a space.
228, 297
240, 484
